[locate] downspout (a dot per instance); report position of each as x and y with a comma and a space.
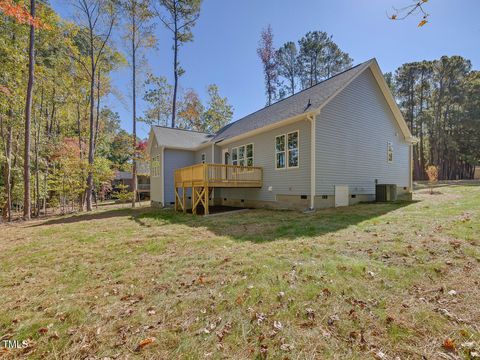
213, 162
163, 176
312, 118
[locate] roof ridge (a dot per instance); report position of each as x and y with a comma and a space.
187, 130
290, 96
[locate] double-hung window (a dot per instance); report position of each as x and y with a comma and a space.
286, 150
155, 166
243, 155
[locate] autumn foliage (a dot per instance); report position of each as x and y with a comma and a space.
20, 13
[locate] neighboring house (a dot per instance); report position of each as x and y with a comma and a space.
325, 146
143, 180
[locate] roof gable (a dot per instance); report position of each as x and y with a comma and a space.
179, 138
303, 103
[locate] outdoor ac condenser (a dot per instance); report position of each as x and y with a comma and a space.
385, 192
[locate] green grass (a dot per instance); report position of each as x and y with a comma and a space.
343, 283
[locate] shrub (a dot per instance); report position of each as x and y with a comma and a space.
432, 173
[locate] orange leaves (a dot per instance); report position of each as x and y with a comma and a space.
448, 344
421, 23
20, 14
144, 343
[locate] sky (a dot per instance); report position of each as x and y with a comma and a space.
227, 33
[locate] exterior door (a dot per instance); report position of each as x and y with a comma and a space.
225, 162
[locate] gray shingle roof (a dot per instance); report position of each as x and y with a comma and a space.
303, 101
179, 138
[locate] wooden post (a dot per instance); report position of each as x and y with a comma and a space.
206, 192
176, 201
194, 207
183, 200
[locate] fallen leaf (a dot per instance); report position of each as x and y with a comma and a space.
331, 319
239, 300
310, 314
263, 351
144, 343
287, 347
448, 344
43, 330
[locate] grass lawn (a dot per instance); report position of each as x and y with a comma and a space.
367, 281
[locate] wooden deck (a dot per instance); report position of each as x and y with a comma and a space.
202, 178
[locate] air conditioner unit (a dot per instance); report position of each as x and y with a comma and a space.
385, 192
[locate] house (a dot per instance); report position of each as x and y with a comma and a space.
124, 178
328, 145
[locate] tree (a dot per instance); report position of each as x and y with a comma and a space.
159, 95
120, 153
286, 58
266, 52
28, 114
219, 112
191, 111
140, 35
439, 101
20, 13
98, 20
335, 60
179, 17
312, 48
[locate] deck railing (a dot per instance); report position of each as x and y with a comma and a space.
219, 175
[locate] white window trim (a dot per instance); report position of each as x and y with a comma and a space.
389, 150
245, 157
231, 157
287, 150
155, 166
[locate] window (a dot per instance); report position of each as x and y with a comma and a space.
243, 155
389, 152
204, 157
292, 149
280, 152
249, 155
155, 166
286, 151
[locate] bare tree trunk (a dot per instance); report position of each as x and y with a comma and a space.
7, 208
28, 113
175, 68
134, 108
91, 145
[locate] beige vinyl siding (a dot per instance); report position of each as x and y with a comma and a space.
352, 133
156, 181
293, 181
